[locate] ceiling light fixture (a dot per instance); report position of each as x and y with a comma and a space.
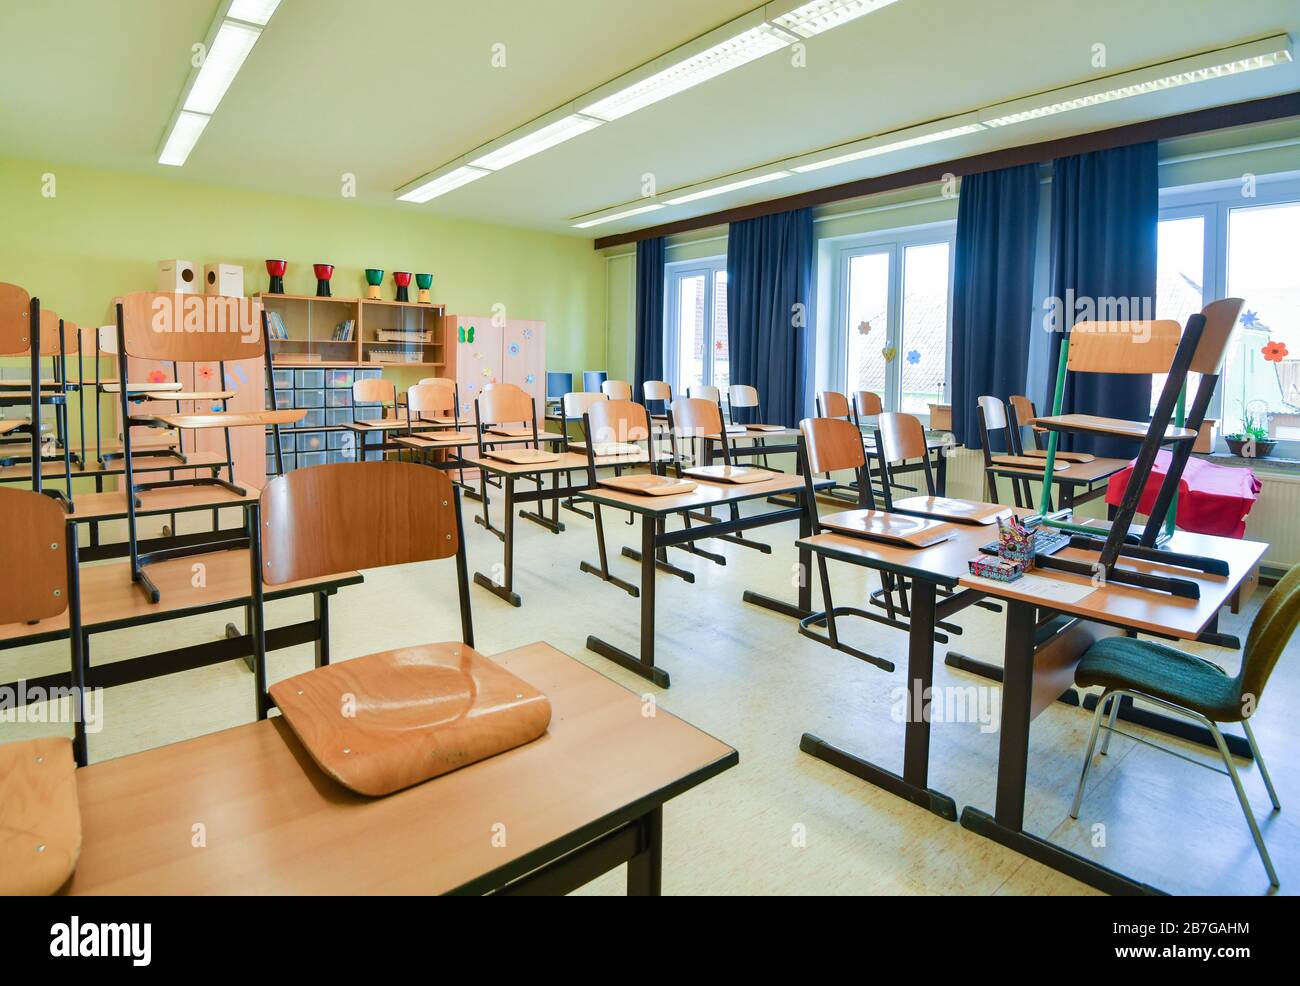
230, 39
440, 182
810, 19
1224, 62
619, 212
507, 150
727, 185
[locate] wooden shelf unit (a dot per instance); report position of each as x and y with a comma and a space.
310, 322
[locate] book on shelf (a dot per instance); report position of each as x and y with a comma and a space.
276, 326
343, 332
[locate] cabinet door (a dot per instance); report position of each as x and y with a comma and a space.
478, 357
523, 358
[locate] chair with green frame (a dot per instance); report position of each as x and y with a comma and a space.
1184, 684
1140, 347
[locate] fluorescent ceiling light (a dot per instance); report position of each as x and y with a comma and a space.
810, 19
252, 11
535, 142
620, 214
225, 55
888, 144
423, 191
185, 134
712, 61
1199, 68
729, 186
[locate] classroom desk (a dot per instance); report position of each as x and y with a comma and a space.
576, 803
1122, 607
1077, 485
95, 508
509, 474
654, 512
111, 601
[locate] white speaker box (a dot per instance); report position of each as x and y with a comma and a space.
178, 276
223, 279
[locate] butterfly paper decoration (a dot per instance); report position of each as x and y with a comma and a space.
467, 335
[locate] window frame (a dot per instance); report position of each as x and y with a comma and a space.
1214, 202
894, 242
674, 273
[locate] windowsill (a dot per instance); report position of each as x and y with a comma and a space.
1268, 464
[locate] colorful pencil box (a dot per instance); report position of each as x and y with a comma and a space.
999, 569
1019, 550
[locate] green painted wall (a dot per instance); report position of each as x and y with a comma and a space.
102, 233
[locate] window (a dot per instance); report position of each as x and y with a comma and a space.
1217, 242
695, 336
891, 327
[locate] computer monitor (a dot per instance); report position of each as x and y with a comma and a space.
592, 379
558, 384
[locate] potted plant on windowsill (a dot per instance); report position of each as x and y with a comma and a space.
1252, 441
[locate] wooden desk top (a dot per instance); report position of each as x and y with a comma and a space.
563, 462
276, 824
393, 424
1129, 606
112, 504
705, 495
1078, 473
109, 599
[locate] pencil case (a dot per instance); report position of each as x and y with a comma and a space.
1019, 551
998, 569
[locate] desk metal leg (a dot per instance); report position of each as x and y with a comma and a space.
1006, 825
506, 590
912, 785
645, 664
645, 869
802, 608
322, 612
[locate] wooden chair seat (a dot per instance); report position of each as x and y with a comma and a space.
383, 722
27, 384
1041, 453
1026, 462
195, 395
1119, 427
140, 387
40, 821
12, 424
224, 419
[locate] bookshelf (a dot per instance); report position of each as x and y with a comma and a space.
384, 333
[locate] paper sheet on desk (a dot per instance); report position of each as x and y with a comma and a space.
1051, 590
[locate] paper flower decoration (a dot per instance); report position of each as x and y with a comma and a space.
157, 376
514, 349
528, 333
531, 378
205, 373
1274, 352
864, 327
1249, 318
913, 356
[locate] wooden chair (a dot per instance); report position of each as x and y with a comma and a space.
612, 423
187, 328
435, 399
1189, 686
39, 580
661, 393
745, 398
832, 404
991, 415
574, 407
1022, 414
376, 390
829, 445
507, 414
26, 330
617, 390
172, 446
1148, 347
699, 419
323, 520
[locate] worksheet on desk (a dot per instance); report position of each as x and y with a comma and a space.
1047, 589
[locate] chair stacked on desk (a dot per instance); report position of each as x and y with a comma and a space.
194, 329
1141, 347
574, 409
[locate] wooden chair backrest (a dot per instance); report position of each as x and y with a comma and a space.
657, 390
107, 340
867, 403
618, 421
902, 436
374, 391
15, 308
832, 444
833, 404
742, 395
1220, 320
505, 404
191, 328
1146, 346
323, 520
50, 335
577, 402
34, 576
696, 416
437, 396
705, 392
995, 412
1023, 408
617, 390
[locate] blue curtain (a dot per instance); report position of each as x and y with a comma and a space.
993, 290
649, 363
1105, 211
770, 265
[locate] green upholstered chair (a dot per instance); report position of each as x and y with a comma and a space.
1190, 686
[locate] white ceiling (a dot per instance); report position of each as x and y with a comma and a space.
387, 92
